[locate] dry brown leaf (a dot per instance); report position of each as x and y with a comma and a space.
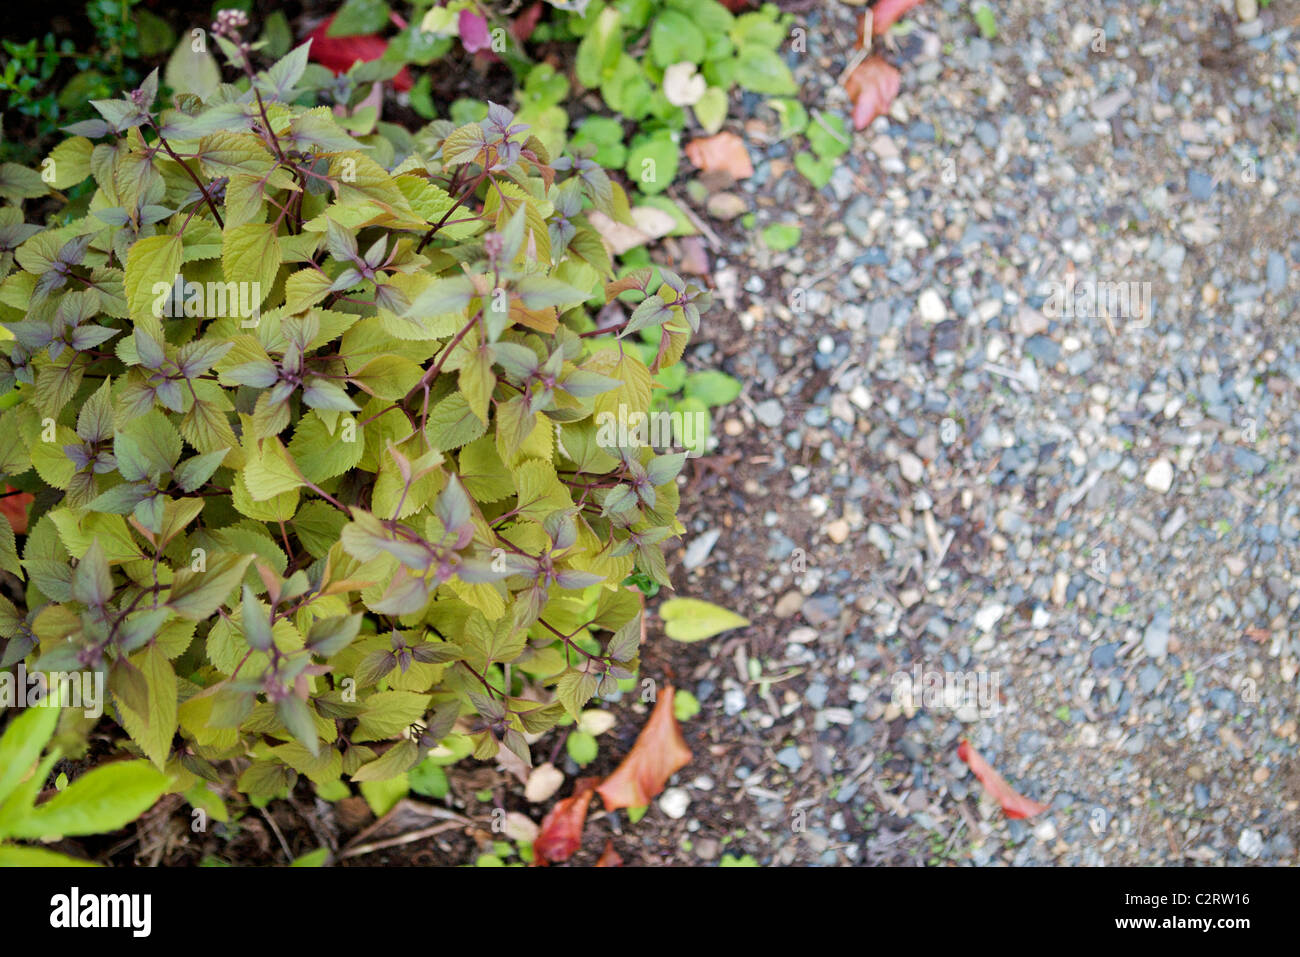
561, 831
651, 224
658, 753
887, 12
609, 857
724, 152
871, 86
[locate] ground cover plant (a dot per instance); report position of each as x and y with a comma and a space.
303, 428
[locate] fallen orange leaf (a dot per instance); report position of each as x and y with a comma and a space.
658, 753
561, 831
886, 13
14, 508
871, 86
1014, 804
723, 152
609, 857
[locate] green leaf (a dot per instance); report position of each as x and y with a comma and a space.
690, 619
20, 748
761, 70
198, 594
816, 171
359, 17
711, 109
382, 796
251, 253
685, 705
155, 259
101, 800
711, 387
398, 759
429, 779
582, 747
652, 162
14, 855
296, 716
317, 858
781, 237
987, 21
153, 728
829, 135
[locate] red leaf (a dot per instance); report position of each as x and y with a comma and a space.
871, 86
609, 857
723, 152
1014, 804
14, 508
658, 753
886, 13
340, 53
473, 32
736, 6
523, 25
561, 831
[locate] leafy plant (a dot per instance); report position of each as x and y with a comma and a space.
696, 52
101, 800
367, 514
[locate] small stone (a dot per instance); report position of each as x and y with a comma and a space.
821, 610
1251, 843
520, 827
674, 802
1030, 322
802, 635
1160, 476
1275, 272
860, 397
726, 206
1247, 10
838, 531
789, 757
1175, 521
1156, 637
770, 413
931, 306
733, 702
788, 605
543, 781
913, 468
697, 552
988, 616
1060, 582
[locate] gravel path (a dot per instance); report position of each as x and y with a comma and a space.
1083, 526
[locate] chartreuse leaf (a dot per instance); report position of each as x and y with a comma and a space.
103, 799
20, 748
153, 727
16, 855
690, 619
